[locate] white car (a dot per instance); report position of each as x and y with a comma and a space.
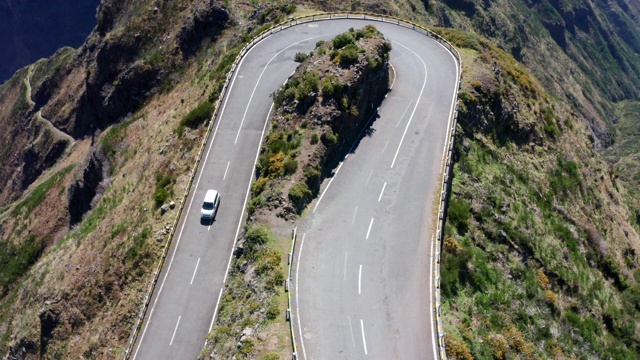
210, 205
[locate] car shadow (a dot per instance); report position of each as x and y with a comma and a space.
206, 222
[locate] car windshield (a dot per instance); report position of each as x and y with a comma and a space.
207, 206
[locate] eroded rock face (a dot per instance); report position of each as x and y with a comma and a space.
22, 350
49, 319
130, 52
83, 190
208, 20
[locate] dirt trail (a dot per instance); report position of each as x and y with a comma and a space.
38, 116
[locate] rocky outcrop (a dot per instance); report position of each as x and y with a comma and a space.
22, 350
49, 319
334, 92
120, 66
84, 189
207, 21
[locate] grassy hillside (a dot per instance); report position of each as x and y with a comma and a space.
625, 153
540, 252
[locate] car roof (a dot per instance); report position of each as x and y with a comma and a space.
211, 195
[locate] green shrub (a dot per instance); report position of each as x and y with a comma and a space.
179, 131
273, 310
257, 235
164, 189
160, 196
256, 203
550, 119
154, 58
565, 179
349, 54
290, 9
300, 57
312, 175
319, 43
329, 139
343, 40
299, 194
258, 186
314, 139
310, 83
283, 142
137, 246
333, 55
331, 86
458, 213
197, 116
290, 166
15, 260
386, 47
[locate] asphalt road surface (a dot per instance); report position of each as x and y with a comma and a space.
394, 256
364, 268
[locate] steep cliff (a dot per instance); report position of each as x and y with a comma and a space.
540, 251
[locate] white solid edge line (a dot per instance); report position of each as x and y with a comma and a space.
246, 109
304, 352
194, 271
364, 340
444, 154
246, 198
382, 191
360, 280
424, 83
394, 75
368, 231
214, 313
175, 330
433, 338
235, 238
345, 158
327, 188
184, 218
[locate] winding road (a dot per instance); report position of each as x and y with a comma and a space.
363, 271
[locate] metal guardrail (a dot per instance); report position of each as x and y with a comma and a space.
288, 288
447, 160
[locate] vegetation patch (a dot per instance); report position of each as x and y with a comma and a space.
35, 197
164, 188
16, 259
530, 266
